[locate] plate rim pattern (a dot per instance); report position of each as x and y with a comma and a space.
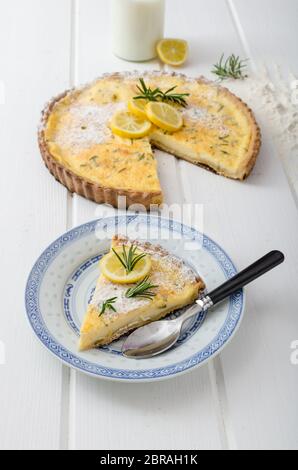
235, 314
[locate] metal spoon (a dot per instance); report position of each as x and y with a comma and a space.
159, 336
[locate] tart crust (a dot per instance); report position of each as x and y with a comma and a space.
104, 194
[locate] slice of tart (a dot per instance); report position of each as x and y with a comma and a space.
79, 148
112, 313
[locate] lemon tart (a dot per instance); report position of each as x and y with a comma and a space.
78, 146
113, 311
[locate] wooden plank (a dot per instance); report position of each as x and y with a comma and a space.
269, 31
263, 375
142, 416
249, 219
200, 25
270, 38
33, 67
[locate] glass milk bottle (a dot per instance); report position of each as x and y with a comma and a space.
137, 26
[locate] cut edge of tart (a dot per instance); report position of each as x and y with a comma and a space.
82, 186
177, 144
175, 285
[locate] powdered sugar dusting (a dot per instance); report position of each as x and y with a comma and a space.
108, 290
162, 277
135, 75
88, 126
274, 98
89, 122
170, 263
206, 119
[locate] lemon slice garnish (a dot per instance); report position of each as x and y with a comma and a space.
172, 51
164, 116
113, 270
129, 126
137, 107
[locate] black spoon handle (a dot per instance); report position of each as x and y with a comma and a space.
255, 270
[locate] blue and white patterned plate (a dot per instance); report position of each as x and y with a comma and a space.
63, 279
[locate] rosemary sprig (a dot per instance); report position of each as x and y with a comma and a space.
129, 259
108, 304
146, 93
232, 67
142, 289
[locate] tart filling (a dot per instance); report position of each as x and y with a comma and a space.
219, 131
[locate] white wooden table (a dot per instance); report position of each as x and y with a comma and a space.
246, 397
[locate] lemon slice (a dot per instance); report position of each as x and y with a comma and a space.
164, 116
172, 51
113, 270
137, 107
129, 126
